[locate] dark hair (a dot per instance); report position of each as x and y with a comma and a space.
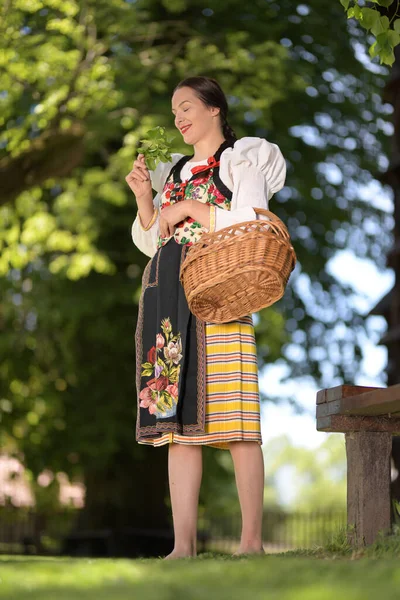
210, 92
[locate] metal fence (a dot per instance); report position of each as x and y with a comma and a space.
282, 530
25, 531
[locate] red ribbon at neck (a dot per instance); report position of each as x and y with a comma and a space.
211, 163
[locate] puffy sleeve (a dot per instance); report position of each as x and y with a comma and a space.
146, 241
254, 170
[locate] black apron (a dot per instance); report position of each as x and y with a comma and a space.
170, 340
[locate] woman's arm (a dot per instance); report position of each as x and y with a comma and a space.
146, 226
146, 238
178, 212
254, 169
213, 217
199, 212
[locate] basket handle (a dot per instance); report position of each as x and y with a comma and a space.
276, 222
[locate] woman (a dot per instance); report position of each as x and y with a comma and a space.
197, 382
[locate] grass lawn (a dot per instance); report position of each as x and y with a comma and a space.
320, 574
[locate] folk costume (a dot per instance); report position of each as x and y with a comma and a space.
197, 382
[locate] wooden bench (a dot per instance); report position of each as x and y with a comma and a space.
368, 417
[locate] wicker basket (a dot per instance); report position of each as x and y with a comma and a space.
238, 270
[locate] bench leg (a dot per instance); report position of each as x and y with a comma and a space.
368, 485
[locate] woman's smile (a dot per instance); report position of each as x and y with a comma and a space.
184, 129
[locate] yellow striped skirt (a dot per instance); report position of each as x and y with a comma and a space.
232, 393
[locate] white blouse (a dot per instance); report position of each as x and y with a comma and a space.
186, 171
254, 170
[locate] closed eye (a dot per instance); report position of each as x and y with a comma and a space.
183, 109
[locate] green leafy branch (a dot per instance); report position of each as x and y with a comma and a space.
385, 30
156, 147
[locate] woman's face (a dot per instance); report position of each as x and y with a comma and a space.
193, 118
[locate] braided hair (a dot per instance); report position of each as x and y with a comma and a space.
210, 92
228, 133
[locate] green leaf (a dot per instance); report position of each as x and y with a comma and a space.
385, 3
345, 3
147, 372
354, 11
385, 22
151, 163
369, 17
153, 133
383, 41
380, 26
162, 364
373, 50
167, 399
147, 365
393, 38
384, 47
387, 57
173, 374
156, 147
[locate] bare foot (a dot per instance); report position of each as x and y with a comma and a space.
179, 554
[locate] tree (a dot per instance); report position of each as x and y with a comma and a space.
317, 475
83, 82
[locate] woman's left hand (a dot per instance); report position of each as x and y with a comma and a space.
171, 215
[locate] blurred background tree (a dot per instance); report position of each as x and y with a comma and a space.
82, 81
315, 478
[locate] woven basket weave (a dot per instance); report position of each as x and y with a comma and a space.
238, 270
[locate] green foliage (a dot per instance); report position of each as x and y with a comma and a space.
386, 546
156, 147
318, 476
385, 30
339, 542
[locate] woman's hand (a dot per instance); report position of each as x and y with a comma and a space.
171, 216
139, 178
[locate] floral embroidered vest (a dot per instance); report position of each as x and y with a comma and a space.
204, 186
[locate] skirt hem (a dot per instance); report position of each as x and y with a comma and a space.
221, 444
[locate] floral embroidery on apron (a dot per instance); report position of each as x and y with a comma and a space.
160, 395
